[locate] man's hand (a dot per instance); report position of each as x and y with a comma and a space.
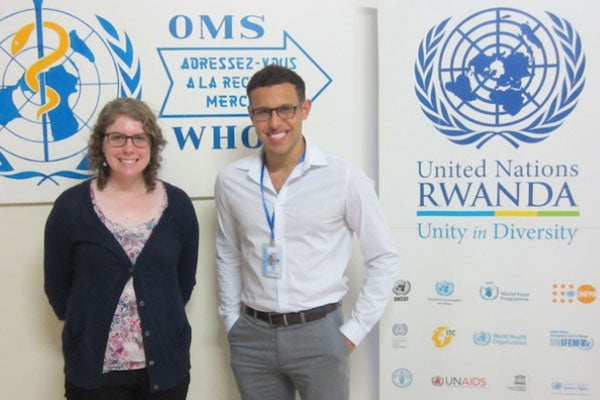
350, 345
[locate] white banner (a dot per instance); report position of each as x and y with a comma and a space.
61, 62
489, 172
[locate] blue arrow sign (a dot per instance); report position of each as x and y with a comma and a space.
211, 81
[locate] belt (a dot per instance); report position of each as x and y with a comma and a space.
294, 318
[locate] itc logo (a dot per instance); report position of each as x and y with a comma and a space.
442, 336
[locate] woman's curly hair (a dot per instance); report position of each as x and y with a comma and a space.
138, 111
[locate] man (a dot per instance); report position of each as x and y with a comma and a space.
286, 217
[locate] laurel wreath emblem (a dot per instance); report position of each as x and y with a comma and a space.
562, 104
128, 64
129, 71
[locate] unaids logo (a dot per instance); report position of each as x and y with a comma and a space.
56, 71
500, 73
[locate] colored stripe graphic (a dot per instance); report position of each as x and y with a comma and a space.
499, 213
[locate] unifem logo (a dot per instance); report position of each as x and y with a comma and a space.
57, 70
401, 290
499, 73
563, 338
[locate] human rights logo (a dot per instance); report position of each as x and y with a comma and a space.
500, 74
57, 70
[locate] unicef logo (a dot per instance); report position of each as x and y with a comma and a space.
444, 288
401, 287
54, 76
500, 73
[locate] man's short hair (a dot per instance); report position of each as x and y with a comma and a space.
274, 74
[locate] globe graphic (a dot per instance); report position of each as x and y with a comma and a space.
400, 329
83, 78
444, 288
482, 338
489, 292
498, 67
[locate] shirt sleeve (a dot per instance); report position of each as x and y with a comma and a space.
365, 217
229, 274
188, 260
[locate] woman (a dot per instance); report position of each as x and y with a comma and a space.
120, 262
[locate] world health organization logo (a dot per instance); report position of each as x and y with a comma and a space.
56, 70
482, 338
499, 73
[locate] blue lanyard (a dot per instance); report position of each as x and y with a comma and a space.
271, 217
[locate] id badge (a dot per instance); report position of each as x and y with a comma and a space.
272, 265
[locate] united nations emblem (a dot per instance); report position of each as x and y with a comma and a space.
444, 288
57, 71
499, 73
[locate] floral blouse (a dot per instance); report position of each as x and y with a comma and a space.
125, 345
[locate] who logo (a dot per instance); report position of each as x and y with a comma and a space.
500, 73
56, 71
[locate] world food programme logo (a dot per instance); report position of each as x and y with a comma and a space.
57, 70
489, 291
499, 73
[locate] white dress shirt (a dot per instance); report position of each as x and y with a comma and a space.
323, 202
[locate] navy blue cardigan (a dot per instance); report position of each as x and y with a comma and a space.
85, 271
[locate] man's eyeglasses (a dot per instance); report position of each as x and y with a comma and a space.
117, 139
285, 111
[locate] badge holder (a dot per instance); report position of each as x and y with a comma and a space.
272, 261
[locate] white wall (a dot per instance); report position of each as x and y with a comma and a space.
30, 349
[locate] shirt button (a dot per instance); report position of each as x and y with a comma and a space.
147, 333
155, 387
142, 303
151, 363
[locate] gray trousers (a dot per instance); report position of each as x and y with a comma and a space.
273, 363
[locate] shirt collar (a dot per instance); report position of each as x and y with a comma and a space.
313, 157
